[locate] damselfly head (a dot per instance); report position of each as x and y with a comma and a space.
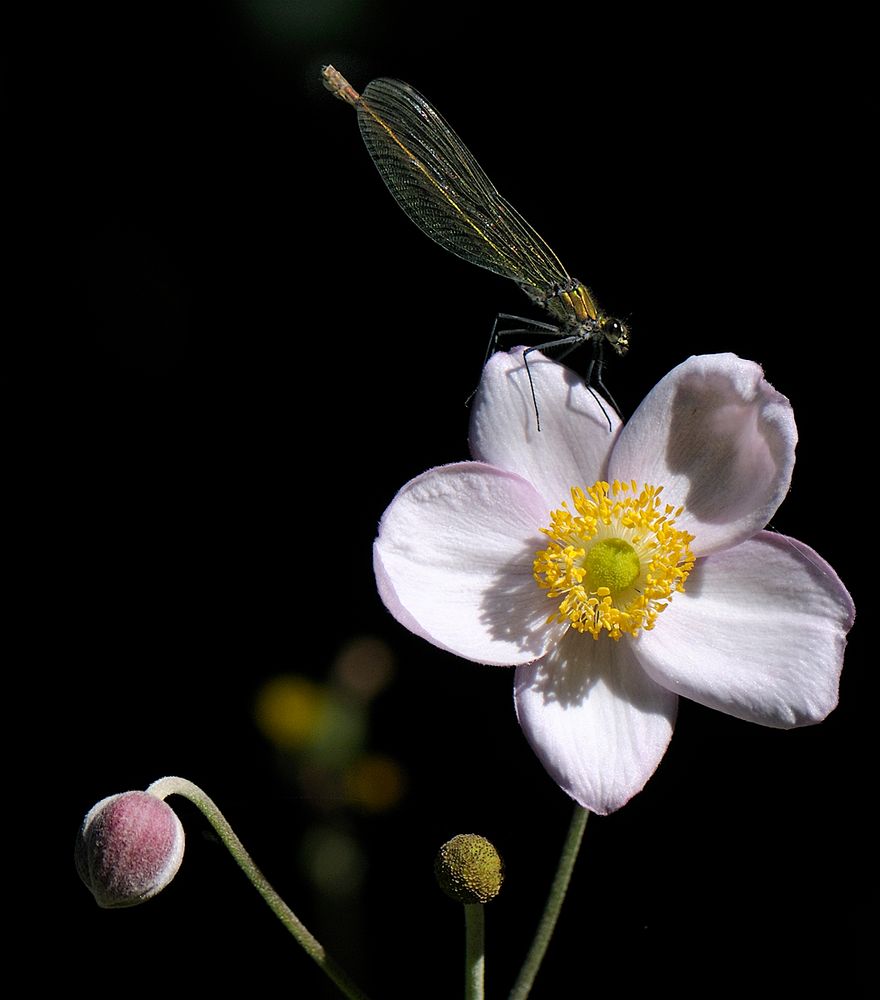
616, 332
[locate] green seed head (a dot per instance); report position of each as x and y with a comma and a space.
469, 869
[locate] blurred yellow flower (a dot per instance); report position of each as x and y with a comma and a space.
374, 782
289, 711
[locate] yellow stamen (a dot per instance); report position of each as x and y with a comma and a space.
615, 561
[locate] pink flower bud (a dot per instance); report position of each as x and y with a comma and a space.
129, 848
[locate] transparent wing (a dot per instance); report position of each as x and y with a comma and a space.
441, 187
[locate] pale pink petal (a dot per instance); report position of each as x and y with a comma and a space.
597, 722
574, 442
453, 562
720, 440
759, 634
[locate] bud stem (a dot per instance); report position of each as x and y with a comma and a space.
554, 904
180, 786
474, 955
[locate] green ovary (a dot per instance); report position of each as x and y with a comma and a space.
612, 563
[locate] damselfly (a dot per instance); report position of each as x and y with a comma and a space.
437, 181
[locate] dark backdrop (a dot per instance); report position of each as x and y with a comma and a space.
228, 349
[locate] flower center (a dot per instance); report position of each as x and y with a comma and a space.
615, 560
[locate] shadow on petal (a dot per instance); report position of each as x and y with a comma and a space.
515, 610
577, 664
723, 444
547, 375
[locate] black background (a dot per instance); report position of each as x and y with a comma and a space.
227, 349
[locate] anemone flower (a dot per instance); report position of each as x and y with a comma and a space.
620, 570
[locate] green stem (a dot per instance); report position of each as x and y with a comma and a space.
474, 957
554, 904
180, 786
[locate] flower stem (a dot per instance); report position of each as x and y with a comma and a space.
474, 956
544, 932
180, 786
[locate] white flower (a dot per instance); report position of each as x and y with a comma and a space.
620, 570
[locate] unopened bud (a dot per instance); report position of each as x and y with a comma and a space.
129, 848
469, 869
